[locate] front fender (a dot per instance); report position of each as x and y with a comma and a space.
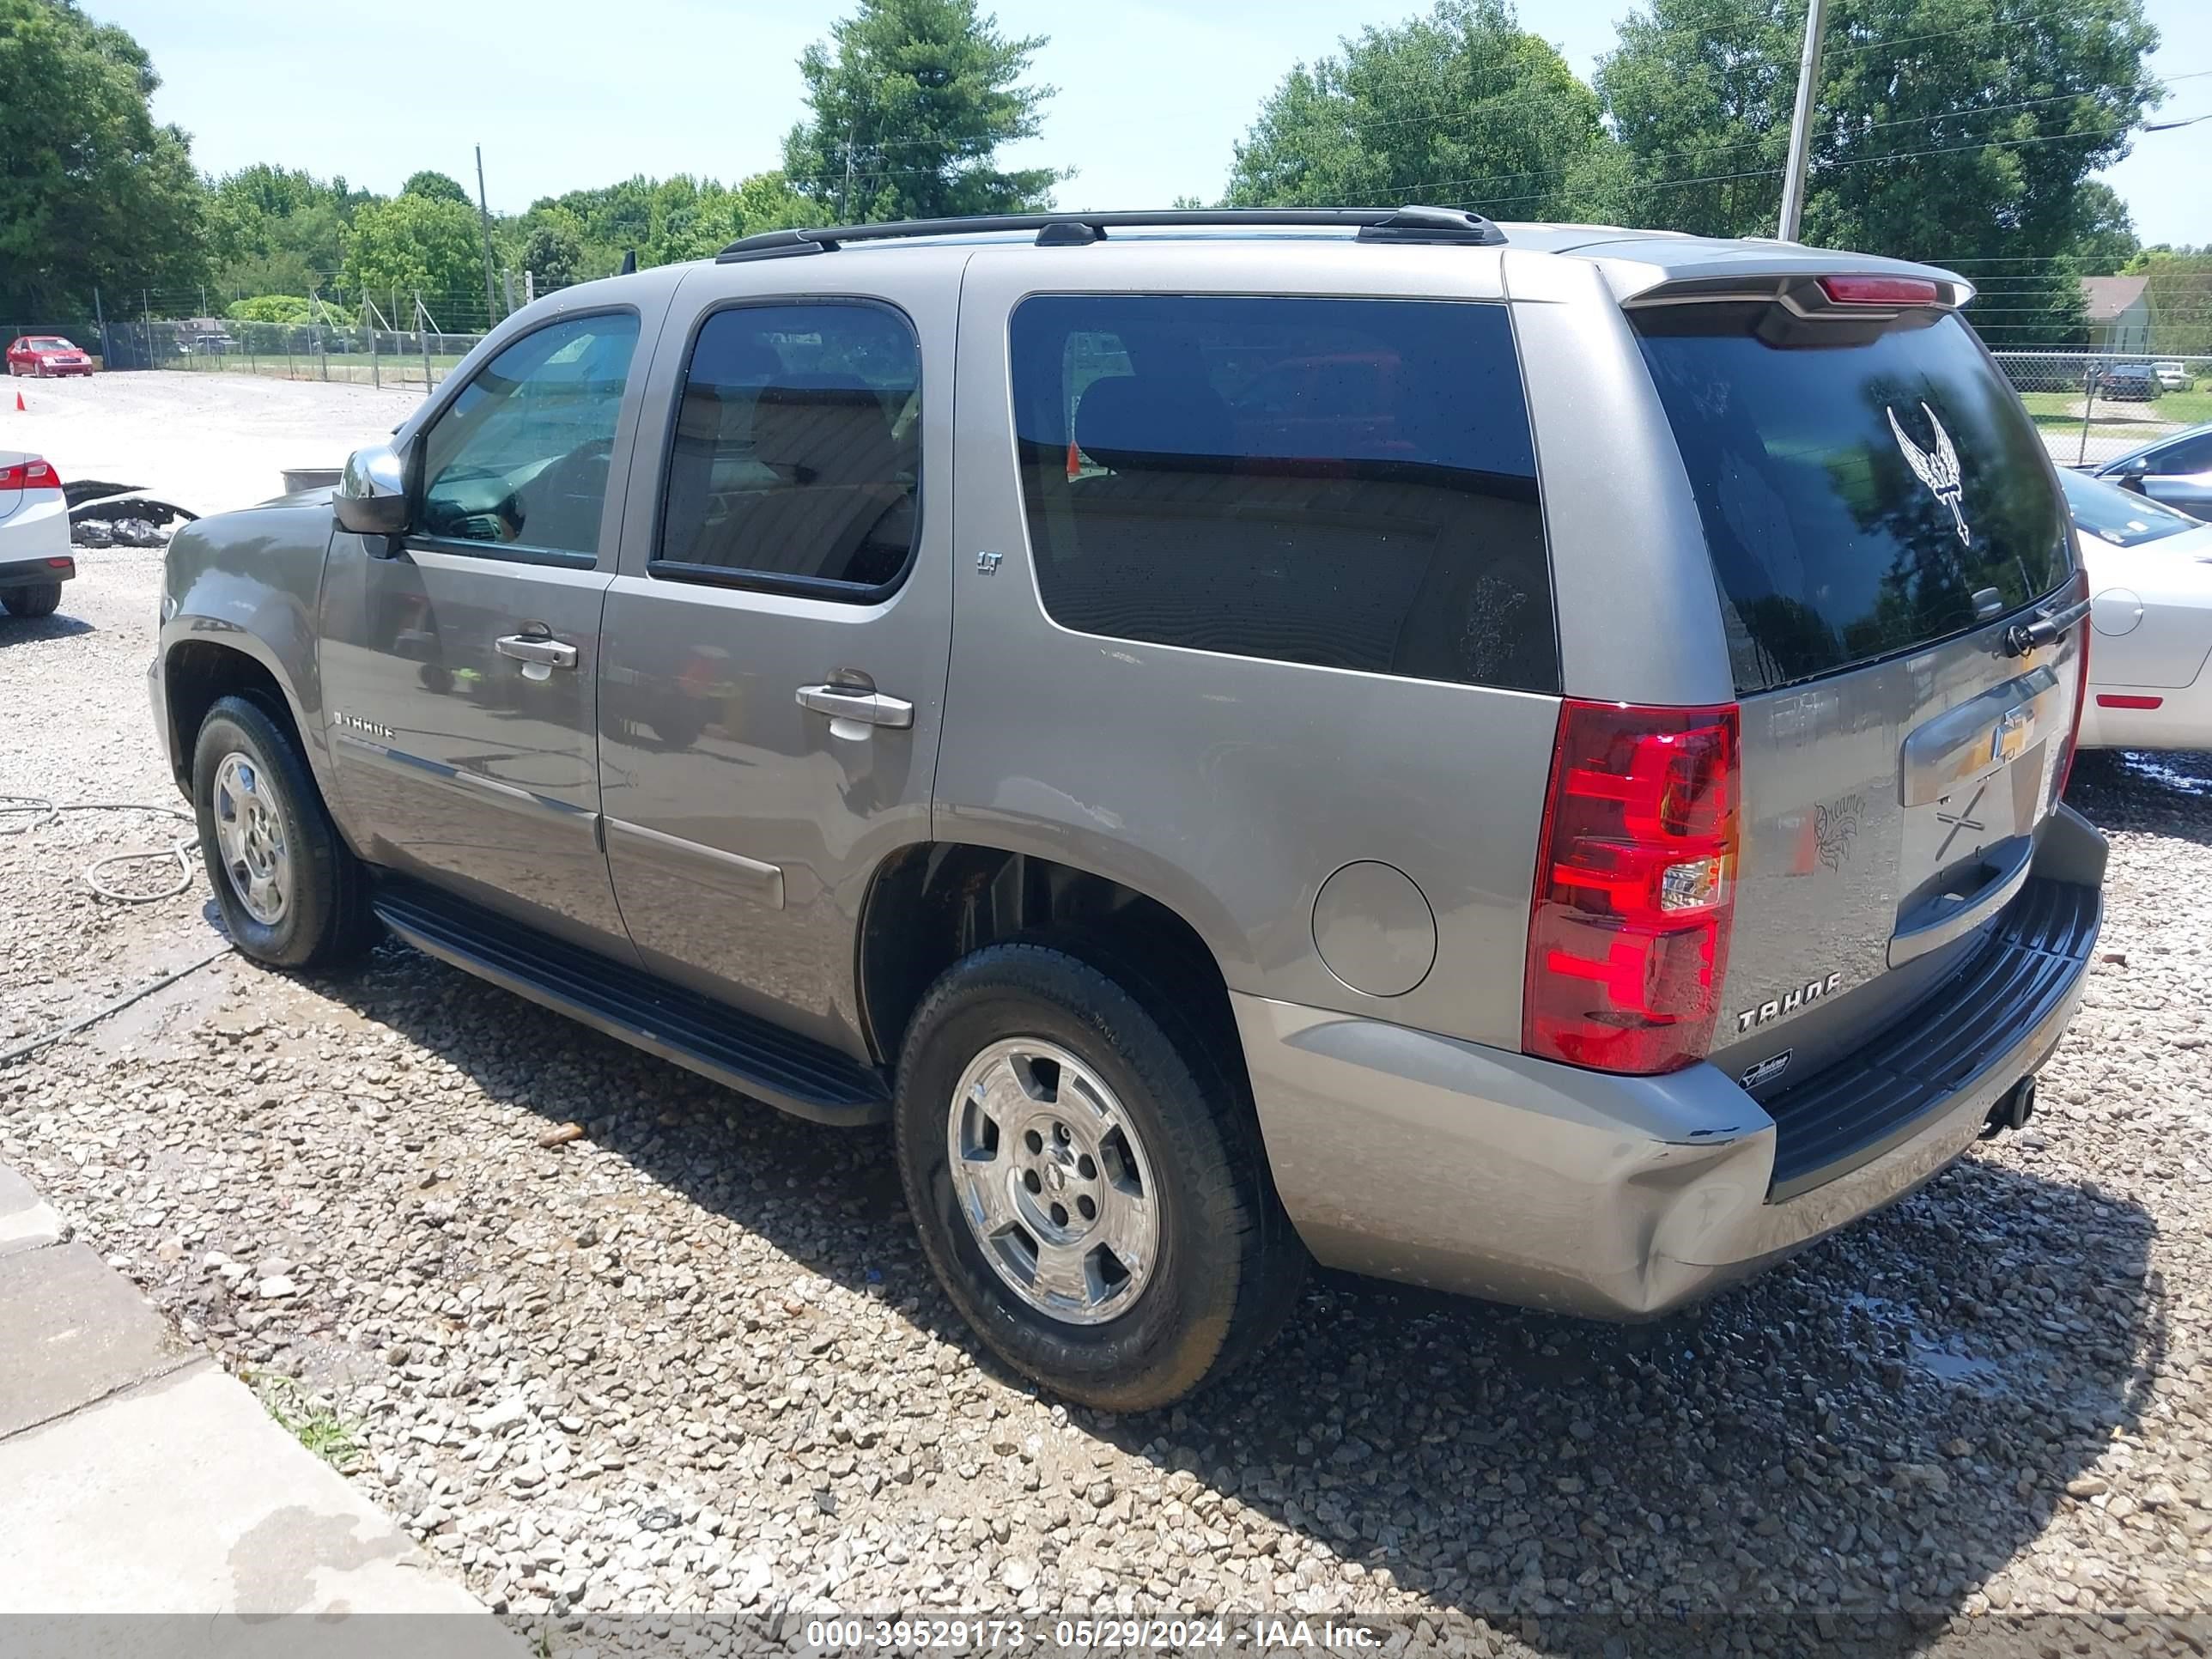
251, 582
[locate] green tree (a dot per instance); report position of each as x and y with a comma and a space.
2179, 294
272, 308
273, 230
1462, 106
92, 190
2104, 232
910, 101
695, 219
1955, 131
766, 201
419, 245
1699, 93
438, 186
552, 247
613, 217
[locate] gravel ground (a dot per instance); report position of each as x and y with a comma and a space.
692, 1360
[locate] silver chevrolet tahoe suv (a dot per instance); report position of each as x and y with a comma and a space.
1522, 759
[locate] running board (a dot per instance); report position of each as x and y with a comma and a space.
737, 1050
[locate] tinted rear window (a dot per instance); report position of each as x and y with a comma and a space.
1349, 483
797, 457
1858, 499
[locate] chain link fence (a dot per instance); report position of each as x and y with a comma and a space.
307, 351
285, 351
2093, 407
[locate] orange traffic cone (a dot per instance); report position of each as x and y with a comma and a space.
1074, 455
20, 410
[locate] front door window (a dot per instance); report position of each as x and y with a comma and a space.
520, 458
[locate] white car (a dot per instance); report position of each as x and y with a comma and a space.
2174, 377
34, 535
2150, 585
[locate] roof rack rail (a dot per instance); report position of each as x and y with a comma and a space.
1399, 224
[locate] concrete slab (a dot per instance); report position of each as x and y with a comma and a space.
182, 1495
74, 1331
28, 1222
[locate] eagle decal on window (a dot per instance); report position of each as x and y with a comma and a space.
1939, 471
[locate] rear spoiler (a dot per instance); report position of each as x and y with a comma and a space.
1806, 291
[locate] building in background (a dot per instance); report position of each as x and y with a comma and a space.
2118, 312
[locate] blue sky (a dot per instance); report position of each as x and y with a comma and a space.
1152, 97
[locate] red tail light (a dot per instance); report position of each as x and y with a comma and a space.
1879, 290
30, 474
1628, 933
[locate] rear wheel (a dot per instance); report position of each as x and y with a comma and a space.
290, 892
38, 599
1089, 1188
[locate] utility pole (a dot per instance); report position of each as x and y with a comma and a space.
1801, 123
483, 211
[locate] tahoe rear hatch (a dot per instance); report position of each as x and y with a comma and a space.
1896, 569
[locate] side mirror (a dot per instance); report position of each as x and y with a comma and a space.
372, 493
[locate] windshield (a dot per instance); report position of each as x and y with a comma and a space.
53, 342
1859, 499
2120, 516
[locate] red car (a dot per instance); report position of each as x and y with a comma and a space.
42, 355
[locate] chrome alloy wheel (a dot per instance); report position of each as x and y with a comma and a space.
250, 834
1053, 1181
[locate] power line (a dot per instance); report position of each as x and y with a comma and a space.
1828, 167
1772, 138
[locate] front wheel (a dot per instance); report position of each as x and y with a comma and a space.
1089, 1188
37, 599
291, 893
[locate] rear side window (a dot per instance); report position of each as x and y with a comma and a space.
1859, 499
797, 446
1349, 483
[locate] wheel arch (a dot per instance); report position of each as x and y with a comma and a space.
198, 672
931, 904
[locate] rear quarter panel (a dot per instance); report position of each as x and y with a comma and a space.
1229, 788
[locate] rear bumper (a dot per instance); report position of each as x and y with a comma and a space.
37, 573
2181, 720
1425, 1158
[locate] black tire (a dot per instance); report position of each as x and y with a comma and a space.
37, 599
1229, 1266
325, 921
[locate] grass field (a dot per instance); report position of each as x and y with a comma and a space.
2050, 409
352, 367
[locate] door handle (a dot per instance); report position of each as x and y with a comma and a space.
532, 648
846, 703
